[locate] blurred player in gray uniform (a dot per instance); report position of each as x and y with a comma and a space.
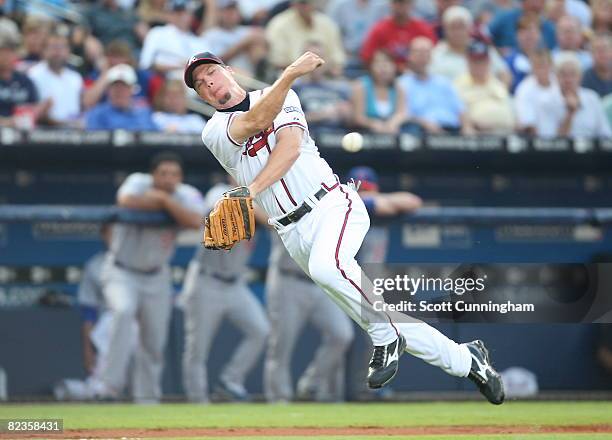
137, 283
215, 287
292, 300
94, 330
374, 250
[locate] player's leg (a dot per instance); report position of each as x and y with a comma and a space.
326, 371
155, 310
121, 293
343, 224
246, 313
204, 307
287, 311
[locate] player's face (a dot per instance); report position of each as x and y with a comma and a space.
167, 176
213, 83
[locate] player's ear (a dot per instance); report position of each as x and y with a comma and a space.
229, 69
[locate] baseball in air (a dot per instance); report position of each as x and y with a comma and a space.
352, 142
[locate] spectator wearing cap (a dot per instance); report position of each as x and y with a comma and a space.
449, 57
18, 95
57, 83
325, 100
355, 19
379, 101
504, 26
573, 110
395, 33
242, 47
108, 21
167, 48
118, 52
488, 105
529, 40
432, 101
171, 110
538, 91
35, 30
570, 38
290, 31
599, 77
120, 112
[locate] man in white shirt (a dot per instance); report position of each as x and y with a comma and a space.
166, 48
57, 83
563, 110
538, 91
579, 113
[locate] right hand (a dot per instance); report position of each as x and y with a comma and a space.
303, 65
572, 102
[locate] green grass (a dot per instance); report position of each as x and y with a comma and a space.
109, 416
78, 416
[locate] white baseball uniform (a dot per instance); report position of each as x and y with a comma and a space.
292, 299
325, 241
137, 285
215, 287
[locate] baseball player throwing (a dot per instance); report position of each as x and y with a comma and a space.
261, 138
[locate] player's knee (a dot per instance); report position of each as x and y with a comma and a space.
261, 331
123, 316
323, 271
341, 338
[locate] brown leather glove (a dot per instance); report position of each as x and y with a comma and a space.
231, 221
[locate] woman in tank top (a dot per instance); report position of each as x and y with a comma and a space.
378, 100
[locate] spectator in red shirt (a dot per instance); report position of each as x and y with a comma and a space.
394, 34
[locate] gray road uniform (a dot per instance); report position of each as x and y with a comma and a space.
292, 300
215, 288
90, 297
137, 284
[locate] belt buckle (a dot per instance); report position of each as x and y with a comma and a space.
293, 216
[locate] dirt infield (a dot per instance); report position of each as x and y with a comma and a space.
316, 431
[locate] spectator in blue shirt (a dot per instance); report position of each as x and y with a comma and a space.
504, 26
18, 96
599, 77
120, 112
529, 40
432, 101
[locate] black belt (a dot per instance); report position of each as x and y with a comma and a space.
229, 279
303, 209
297, 274
138, 271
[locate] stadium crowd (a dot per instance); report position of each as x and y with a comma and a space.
539, 67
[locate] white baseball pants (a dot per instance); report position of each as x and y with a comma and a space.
324, 244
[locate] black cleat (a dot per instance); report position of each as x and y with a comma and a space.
483, 374
384, 363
